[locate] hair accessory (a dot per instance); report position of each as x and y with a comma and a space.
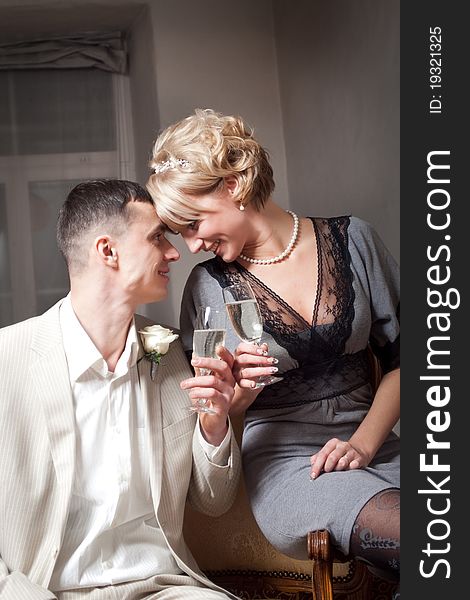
166, 165
242, 207
284, 254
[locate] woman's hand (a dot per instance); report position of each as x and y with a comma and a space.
218, 388
251, 362
337, 455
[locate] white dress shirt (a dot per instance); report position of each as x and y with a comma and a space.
111, 535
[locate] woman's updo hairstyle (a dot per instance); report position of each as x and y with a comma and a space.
195, 155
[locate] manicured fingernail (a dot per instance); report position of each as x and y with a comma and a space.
195, 361
253, 384
312, 476
273, 360
261, 352
273, 369
183, 385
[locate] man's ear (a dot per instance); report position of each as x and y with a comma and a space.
106, 251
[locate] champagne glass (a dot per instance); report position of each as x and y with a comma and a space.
245, 316
209, 333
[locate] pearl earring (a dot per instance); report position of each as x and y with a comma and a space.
242, 207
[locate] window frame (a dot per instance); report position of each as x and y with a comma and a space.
17, 172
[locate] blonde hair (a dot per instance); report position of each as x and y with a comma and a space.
195, 155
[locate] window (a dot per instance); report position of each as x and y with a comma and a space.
57, 127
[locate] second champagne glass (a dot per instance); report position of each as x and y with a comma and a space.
209, 333
245, 316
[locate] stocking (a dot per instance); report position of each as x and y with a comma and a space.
375, 536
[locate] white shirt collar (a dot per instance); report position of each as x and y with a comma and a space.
81, 352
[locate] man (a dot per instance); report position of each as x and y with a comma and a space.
98, 455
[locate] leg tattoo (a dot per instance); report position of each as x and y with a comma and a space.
376, 532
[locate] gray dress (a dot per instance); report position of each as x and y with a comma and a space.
325, 390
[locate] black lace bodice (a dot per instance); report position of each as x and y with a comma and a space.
324, 370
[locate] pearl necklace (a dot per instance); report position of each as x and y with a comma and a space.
284, 254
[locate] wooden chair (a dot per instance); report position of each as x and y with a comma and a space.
323, 557
233, 552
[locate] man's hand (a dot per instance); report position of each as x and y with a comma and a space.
218, 388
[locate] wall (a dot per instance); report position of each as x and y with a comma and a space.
340, 89
142, 76
209, 54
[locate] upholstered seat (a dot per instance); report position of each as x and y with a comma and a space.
232, 550
235, 554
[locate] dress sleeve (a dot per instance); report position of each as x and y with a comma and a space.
193, 296
201, 289
383, 278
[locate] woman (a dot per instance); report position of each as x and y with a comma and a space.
318, 447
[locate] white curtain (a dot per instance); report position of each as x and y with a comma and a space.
99, 50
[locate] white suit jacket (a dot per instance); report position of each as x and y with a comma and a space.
37, 455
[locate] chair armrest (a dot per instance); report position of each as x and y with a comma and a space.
321, 554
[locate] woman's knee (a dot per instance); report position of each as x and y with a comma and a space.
287, 543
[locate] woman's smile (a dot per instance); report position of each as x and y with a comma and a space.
214, 247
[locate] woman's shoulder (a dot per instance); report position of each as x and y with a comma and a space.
351, 222
203, 285
204, 277
349, 230
360, 227
363, 233
354, 226
206, 268
365, 240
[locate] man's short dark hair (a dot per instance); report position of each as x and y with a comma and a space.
90, 204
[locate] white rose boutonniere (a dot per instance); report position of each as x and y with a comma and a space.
156, 341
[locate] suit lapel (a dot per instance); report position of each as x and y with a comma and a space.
52, 394
153, 419
49, 372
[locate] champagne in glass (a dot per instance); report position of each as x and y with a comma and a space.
206, 342
245, 316
246, 320
208, 335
